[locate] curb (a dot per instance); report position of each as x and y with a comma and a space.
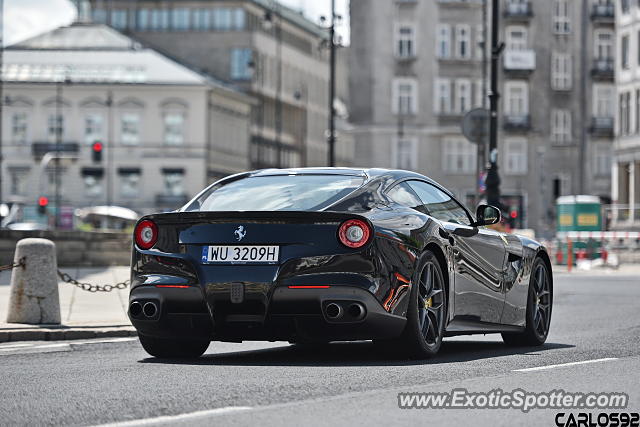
61, 334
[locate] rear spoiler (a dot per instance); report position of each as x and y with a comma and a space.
244, 216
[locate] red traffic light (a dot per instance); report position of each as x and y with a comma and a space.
43, 201
97, 147
514, 214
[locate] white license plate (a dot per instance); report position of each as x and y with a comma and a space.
240, 254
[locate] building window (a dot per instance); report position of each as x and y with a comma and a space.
405, 41
18, 184
159, 19
142, 19
463, 41
99, 16
516, 37
93, 182
561, 126
202, 19
625, 6
459, 156
603, 101
561, 17
602, 159
55, 127
480, 95
516, 156
241, 64
19, 127
225, 19
463, 96
405, 100
603, 44
625, 113
173, 182
130, 129
174, 128
517, 99
180, 19
442, 99
93, 128
443, 41
480, 45
624, 52
129, 182
119, 19
561, 71
406, 154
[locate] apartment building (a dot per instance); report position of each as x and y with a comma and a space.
626, 165
417, 67
163, 128
272, 52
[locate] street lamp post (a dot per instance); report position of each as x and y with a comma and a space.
332, 86
493, 178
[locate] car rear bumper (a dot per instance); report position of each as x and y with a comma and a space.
290, 314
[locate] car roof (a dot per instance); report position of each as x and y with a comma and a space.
369, 173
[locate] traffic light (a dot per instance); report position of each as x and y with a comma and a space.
43, 202
96, 152
513, 218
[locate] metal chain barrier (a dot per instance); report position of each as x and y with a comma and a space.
20, 263
89, 287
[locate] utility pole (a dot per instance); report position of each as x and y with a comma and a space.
58, 124
332, 86
482, 145
1, 90
110, 148
493, 178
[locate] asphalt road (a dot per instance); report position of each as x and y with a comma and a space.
96, 382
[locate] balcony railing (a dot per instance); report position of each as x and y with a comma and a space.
517, 122
604, 12
520, 60
602, 126
603, 69
39, 149
520, 10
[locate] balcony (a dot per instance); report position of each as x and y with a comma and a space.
522, 11
519, 62
39, 149
603, 13
603, 69
602, 126
517, 122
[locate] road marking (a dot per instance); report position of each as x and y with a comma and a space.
178, 418
561, 365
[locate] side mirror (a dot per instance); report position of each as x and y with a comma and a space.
487, 215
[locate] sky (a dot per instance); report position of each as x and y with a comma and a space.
26, 18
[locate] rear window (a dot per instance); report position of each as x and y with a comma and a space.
277, 193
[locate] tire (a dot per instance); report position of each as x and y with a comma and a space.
539, 305
422, 336
170, 348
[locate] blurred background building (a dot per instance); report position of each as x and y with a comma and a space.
161, 126
625, 212
416, 67
270, 51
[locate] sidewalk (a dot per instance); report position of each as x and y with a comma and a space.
84, 314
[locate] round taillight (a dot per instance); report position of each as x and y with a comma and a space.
354, 233
146, 234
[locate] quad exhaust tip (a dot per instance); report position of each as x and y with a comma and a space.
333, 311
135, 308
356, 311
150, 309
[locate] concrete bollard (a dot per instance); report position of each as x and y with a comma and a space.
34, 289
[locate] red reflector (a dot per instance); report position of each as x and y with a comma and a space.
310, 287
173, 286
401, 278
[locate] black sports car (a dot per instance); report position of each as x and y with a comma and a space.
317, 255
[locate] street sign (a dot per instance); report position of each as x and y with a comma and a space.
475, 125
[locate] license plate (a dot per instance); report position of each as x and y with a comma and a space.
240, 254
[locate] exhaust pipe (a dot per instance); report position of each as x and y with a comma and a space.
333, 311
357, 311
150, 309
135, 309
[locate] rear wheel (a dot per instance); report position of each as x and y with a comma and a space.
426, 315
539, 304
164, 347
